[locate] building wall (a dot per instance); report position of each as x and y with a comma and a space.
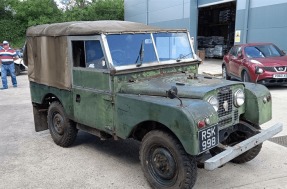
265, 22
163, 13
257, 20
136, 10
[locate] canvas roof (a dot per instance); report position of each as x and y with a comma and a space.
92, 28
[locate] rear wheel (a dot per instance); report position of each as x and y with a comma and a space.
165, 162
225, 73
63, 130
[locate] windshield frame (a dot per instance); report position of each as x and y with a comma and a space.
155, 63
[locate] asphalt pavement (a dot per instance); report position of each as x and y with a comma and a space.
32, 160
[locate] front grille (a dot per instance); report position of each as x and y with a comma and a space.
269, 69
235, 114
225, 101
225, 121
275, 69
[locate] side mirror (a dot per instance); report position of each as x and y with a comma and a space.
172, 93
283, 52
240, 56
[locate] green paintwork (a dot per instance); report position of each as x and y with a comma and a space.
131, 110
91, 79
257, 111
94, 105
39, 92
118, 103
141, 97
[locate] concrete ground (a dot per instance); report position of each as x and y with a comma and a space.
32, 160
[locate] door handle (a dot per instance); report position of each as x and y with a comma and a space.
78, 98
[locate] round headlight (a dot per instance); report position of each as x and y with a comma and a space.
214, 102
239, 98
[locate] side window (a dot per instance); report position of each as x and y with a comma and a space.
235, 50
239, 51
232, 51
78, 50
88, 54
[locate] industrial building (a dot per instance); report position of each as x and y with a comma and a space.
215, 24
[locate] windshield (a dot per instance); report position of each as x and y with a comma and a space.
172, 46
138, 49
262, 51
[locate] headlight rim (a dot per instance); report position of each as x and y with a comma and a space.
215, 106
236, 98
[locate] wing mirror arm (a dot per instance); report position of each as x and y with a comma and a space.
172, 93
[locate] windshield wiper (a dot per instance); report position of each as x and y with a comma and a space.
182, 57
141, 55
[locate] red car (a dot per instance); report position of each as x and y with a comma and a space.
241, 61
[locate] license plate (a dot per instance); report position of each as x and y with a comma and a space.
208, 138
280, 76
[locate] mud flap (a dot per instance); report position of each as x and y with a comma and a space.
40, 119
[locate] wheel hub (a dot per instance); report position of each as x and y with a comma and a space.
163, 163
58, 123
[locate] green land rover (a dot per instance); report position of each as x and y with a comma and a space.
119, 80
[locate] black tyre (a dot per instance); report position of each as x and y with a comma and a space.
165, 163
225, 73
240, 136
17, 69
63, 130
245, 77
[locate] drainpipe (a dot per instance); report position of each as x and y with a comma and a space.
147, 11
246, 19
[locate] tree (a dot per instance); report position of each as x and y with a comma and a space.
17, 15
37, 12
95, 10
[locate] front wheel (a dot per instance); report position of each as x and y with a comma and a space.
240, 136
165, 163
62, 129
245, 77
225, 73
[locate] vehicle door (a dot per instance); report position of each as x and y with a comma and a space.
92, 94
235, 60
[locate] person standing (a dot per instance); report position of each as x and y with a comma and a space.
7, 57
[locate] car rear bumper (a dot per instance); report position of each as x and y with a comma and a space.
231, 152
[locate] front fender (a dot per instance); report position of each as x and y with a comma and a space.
257, 111
132, 110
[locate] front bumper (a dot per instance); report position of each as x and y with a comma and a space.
231, 152
273, 81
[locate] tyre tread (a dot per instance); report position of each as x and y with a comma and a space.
189, 162
71, 131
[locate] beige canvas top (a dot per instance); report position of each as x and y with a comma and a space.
92, 27
47, 47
